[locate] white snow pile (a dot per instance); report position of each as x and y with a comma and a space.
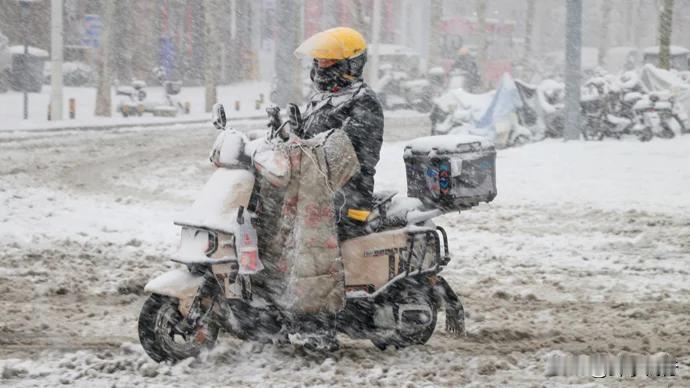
583, 240
245, 94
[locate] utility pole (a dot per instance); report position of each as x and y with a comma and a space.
573, 54
56, 36
375, 33
604, 31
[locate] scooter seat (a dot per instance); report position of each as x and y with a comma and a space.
391, 210
381, 197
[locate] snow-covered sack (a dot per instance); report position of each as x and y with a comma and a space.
311, 171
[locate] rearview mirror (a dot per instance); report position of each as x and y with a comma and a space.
218, 116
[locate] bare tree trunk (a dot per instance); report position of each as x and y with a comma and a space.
483, 42
604, 31
122, 45
629, 11
255, 46
358, 16
435, 37
529, 28
665, 29
287, 83
637, 33
210, 54
103, 93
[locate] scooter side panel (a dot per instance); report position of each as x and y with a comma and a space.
373, 259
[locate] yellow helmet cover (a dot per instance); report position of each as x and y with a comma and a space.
336, 43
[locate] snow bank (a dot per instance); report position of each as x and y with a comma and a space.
33, 51
621, 175
675, 50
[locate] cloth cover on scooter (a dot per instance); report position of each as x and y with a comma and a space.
316, 169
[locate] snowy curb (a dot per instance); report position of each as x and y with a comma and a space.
120, 125
392, 120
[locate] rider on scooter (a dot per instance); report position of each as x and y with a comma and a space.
343, 100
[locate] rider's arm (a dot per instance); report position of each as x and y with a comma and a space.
364, 126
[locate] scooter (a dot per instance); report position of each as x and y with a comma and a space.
655, 117
650, 114
134, 96
396, 90
392, 279
136, 102
596, 105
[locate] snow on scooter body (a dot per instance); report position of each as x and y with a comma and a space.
392, 287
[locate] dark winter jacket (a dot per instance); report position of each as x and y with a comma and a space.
467, 64
356, 110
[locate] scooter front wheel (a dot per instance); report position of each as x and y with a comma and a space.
158, 335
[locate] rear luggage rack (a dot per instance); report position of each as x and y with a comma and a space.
436, 236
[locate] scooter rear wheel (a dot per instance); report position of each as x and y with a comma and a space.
645, 135
671, 126
157, 321
404, 338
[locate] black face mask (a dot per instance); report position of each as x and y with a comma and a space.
329, 77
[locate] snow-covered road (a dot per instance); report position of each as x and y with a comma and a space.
586, 249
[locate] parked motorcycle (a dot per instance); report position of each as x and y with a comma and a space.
136, 102
596, 105
396, 90
134, 96
392, 275
655, 117
649, 114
